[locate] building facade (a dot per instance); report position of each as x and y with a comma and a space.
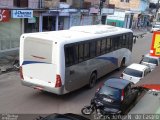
129, 13
26, 16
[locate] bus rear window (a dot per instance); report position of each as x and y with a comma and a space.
37, 50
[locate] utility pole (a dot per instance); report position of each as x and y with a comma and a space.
157, 8
100, 9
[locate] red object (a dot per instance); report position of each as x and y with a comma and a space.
122, 96
153, 50
4, 15
21, 73
58, 81
152, 86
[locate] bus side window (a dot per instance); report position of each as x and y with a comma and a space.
92, 49
115, 42
124, 41
81, 53
76, 54
69, 55
103, 46
121, 41
118, 42
108, 46
112, 44
130, 41
98, 47
86, 51
127, 41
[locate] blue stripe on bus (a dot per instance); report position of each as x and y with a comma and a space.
30, 62
111, 59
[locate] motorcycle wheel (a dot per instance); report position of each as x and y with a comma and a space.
87, 110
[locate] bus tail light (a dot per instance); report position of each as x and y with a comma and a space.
58, 81
21, 73
122, 95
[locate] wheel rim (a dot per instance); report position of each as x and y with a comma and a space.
87, 111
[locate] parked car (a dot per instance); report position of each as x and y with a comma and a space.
155, 27
113, 97
135, 72
67, 116
150, 61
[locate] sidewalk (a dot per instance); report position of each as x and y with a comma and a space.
138, 32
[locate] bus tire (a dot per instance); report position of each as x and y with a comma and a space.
92, 80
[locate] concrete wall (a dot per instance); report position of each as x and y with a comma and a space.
143, 5
96, 2
33, 3
133, 4
6, 3
54, 3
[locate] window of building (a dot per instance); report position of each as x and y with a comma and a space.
125, 1
31, 25
20, 3
63, 0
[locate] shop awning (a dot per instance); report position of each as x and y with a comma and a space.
151, 81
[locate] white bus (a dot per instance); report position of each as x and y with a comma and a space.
63, 61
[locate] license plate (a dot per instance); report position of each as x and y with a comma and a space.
107, 100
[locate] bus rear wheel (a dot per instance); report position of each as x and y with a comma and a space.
92, 80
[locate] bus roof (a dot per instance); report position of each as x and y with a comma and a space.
78, 33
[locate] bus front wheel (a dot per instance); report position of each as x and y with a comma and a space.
92, 80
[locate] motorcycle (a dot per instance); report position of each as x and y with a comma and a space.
94, 106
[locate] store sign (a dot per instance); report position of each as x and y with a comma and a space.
32, 20
94, 10
155, 46
22, 13
4, 15
107, 11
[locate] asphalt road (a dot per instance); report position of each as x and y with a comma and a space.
15, 98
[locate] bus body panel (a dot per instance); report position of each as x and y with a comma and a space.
40, 71
38, 65
76, 76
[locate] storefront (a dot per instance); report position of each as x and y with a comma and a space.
31, 24
53, 21
120, 19
81, 18
10, 31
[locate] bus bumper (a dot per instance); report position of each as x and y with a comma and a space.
58, 91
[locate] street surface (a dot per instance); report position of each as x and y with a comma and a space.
15, 98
